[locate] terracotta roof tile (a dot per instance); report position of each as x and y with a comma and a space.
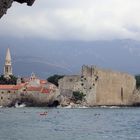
10, 87
46, 91
34, 89
43, 81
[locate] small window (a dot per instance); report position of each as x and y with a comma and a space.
1, 98
96, 78
121, 93
82, 76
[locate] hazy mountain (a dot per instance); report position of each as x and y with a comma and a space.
66, 57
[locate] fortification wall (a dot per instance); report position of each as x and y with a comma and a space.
114, 88
102, 87
30, 98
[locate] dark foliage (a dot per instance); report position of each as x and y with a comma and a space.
54, 79
137, 77
8, 81
78, 95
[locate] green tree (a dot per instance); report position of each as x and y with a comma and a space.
77, 95
54, 79
8, 81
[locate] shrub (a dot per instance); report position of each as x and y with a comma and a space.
137, 77
77, 95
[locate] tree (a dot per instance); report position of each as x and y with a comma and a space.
54, 79
12, 80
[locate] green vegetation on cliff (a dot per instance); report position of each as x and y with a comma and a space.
54, 79
8, 81
137, 77
78, 96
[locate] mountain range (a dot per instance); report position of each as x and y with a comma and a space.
45, 57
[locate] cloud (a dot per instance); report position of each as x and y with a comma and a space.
74, 20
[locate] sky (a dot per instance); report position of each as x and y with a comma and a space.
56, 35
85, 20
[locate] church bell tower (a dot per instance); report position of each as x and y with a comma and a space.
8, 65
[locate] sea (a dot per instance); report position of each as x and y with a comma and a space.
70, 124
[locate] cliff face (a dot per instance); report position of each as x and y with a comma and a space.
102, 87
5, 4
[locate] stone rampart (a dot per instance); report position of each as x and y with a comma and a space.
102, 87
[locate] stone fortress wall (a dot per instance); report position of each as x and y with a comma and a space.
102, 87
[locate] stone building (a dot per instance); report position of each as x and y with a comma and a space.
27, 93
102, 87
31, 89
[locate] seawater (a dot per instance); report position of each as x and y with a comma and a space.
70, 124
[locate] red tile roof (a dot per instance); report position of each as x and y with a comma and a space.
43, 81
31, 88
38, 89
10, 87
34, 89
46, 91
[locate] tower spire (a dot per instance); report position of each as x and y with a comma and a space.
8, 64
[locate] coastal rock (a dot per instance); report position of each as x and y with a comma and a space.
135, 99
5, 4
102, 87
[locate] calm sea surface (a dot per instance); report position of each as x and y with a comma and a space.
70, 124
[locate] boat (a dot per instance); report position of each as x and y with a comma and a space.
43, 113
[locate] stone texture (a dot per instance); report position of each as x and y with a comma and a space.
30, 99
5, 4
102, 87
29, 2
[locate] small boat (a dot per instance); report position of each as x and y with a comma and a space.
43, 113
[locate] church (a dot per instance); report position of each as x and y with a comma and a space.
30, 84
8, 65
